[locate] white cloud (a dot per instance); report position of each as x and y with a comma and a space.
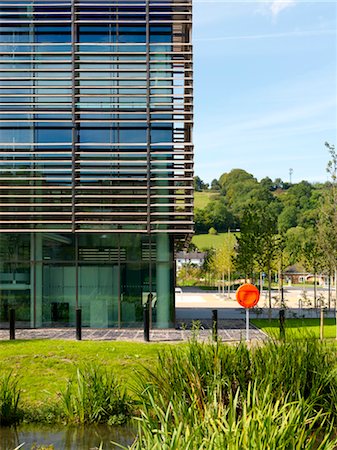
279, 5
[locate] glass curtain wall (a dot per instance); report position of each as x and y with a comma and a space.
46, 276
96, 158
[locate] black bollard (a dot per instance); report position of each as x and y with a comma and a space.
282, 319
78, 324
146, 322
12, 324
215, 324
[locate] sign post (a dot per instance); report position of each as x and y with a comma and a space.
247, 296
247, 324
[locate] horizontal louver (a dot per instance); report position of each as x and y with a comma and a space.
96, 112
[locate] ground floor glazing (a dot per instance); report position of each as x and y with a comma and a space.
46, 276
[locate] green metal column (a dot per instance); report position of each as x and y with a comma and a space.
36, 280
163, 281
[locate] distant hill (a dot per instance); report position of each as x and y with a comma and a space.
201, 199
236, 192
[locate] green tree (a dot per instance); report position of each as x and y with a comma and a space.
300, 206
268, 242
199, 185
235, 176
294, 242
258, 244
189, 275
207, 267
302, 246
215, 185
244, 260
267, 183
212, 231
222, 260
215, 215
288, 218
327, 224
240, 190
312, 256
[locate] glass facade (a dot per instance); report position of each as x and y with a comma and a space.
46, 276
96, 158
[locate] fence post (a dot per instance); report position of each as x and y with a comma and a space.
215, 324
146, 317
12, 324
282, 319
78, 324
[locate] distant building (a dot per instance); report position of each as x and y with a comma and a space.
296, 274
196, 258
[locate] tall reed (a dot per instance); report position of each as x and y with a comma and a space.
9, 400
95, 396
203, 370
280, 395
257, 423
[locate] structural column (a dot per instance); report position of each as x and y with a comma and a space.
36, 280
163, 281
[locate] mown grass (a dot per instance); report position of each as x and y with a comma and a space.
298, 328
44, 366
201, 199
203, 241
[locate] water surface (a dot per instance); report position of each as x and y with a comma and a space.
66, 438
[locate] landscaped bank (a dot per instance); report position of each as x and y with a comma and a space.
215, 396
43, 367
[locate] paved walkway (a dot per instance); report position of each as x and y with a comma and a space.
192, 305
229, 330
196, 304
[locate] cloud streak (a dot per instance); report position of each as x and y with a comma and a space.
279, 5
299, 34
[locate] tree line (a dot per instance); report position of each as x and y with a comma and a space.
292, 204
280, 224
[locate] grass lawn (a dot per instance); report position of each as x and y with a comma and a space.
209, 240
44, 366
201, 199
298, 328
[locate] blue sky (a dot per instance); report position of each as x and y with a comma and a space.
265, 77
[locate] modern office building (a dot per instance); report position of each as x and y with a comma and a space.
96, 159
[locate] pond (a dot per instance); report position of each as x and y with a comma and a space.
66, 438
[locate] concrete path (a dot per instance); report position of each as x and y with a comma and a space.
196, 304
192, 305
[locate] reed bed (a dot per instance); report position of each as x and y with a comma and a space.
280, 395
10, 412
95, 396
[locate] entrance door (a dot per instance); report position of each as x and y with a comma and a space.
98, 295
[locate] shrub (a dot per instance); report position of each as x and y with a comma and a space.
212, 231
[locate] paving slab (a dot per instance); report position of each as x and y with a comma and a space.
228, 330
